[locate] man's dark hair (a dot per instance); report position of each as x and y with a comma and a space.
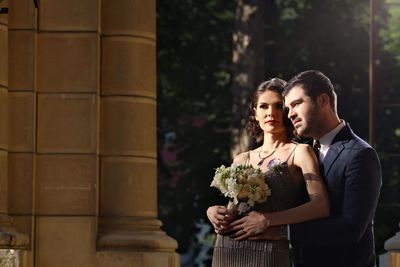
314, 83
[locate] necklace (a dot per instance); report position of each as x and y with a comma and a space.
267, 156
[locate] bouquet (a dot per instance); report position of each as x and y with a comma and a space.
243, 184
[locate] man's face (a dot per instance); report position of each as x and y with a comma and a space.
302, 111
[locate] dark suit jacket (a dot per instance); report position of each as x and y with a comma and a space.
352, 173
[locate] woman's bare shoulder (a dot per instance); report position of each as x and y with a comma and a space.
302, 148
298, 152
241, 158
304, 154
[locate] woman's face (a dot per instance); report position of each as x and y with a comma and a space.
269, 112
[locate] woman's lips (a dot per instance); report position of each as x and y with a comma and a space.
271, 122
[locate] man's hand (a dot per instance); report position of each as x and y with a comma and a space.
253, 225
271, 233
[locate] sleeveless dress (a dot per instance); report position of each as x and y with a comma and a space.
261, 253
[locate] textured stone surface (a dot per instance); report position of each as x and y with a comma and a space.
66, 184
4, 19
53, 123
128, 66
143, 259
21, 14
3, 182
3, 118
126, 185
65, 241
20, 173
21, 58
71, 15
134, 132
3, 56
24, 224
70, 241
133, 17
67, 123
21, 122
67, 62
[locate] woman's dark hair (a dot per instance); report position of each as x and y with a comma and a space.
253, 127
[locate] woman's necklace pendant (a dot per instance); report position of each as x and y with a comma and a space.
267, 156
261, 162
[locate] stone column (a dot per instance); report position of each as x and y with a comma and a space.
52, 180
128, 199
21, 122
4, 220
392, 245
10, 237
65, 188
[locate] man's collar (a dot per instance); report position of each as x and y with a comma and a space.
326, 139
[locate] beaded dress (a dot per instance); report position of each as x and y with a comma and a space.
261, 253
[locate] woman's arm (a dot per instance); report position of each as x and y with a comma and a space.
318, 206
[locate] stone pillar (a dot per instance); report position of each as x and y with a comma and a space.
65, 188
128, 199
10, 237
4, 220
55, 118
392, 245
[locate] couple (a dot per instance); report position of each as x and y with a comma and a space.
328, 196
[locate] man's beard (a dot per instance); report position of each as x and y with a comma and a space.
310, 124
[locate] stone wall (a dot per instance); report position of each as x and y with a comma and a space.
78, 134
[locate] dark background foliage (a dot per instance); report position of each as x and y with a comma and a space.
194, 57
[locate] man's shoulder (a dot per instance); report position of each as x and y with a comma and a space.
352, 144
356, 147
356, 142
349, 139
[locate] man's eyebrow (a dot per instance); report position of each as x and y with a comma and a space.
294, 101
286, 103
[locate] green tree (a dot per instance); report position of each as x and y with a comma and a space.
390, 32
388, 118
194, 46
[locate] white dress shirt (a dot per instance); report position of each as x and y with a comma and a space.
326, 140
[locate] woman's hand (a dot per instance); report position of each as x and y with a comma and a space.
252, 225
219, 217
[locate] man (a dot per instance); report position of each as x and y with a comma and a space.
352, 173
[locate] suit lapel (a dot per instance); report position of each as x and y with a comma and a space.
333, 152
336, 148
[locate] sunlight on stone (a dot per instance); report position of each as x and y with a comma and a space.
9, 258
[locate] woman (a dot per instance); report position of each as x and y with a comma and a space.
255, 239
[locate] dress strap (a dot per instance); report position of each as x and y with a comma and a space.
247, 158
291, 153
